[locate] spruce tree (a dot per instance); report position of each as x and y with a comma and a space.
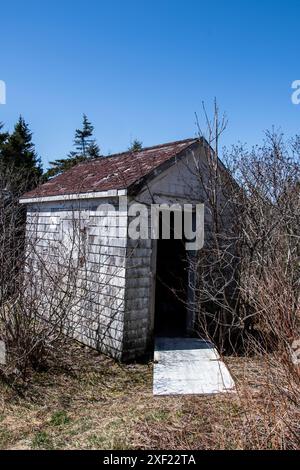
3, 172
135, 146
85, 148
20, 171
19, 158
3, 136
83, 137
93, 150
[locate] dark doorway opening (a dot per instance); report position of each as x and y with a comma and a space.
171, 285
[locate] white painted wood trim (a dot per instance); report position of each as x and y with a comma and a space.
69, 197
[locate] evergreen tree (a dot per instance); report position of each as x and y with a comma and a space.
85, 145
93, 150
20, 171
3, 136
135, 146
63, 164
3, 179
83, 137
19, 158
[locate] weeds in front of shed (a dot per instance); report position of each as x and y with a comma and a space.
42, 440
59, 418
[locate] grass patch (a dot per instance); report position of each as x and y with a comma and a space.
59, 418
106, 406
5, 438
158, 415
42, 440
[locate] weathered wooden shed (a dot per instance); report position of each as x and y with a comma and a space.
129, 284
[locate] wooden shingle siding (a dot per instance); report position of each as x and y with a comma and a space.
98, 317
137, 298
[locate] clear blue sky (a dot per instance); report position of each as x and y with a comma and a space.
141, 68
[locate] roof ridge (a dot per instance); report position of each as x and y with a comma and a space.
167, 144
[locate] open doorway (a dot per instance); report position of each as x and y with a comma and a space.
171, 285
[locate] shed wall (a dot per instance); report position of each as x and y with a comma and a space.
93, 233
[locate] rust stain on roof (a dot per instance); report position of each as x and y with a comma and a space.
118, 171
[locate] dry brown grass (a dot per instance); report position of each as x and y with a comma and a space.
104, 405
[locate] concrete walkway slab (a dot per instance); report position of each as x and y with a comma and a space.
184, 366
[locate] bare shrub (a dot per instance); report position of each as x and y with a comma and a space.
52, 290
247, 296
252, 208
38, 293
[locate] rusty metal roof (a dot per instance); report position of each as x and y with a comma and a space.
118, 171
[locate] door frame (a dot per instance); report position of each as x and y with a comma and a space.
190, 294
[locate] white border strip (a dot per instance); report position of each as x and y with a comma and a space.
69, 197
